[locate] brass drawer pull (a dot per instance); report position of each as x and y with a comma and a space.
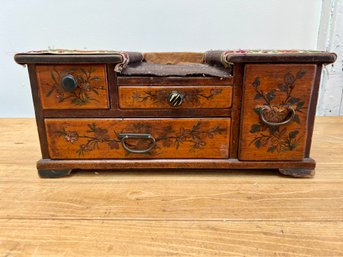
290, 114
124, 136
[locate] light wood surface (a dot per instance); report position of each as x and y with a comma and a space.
165, 213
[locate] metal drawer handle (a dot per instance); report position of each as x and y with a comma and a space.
270, 123
69, 83
124, 136
175, 98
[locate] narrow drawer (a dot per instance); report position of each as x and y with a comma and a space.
173, 96
138, 138
174, 92
72, 86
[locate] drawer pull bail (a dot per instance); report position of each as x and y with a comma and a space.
124, 136
289, 111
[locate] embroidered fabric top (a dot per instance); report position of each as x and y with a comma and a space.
216, 58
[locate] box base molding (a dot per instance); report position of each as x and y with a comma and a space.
48, 168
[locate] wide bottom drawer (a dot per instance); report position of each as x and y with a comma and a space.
138, 138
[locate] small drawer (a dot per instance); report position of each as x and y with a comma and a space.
174, 92
72, 86
138, 138
175, 97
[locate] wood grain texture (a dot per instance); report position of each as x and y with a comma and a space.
175, 138
174, 57
176, 238
91, 91
157, 97
158, 164
236, 109
277, 88
164, 213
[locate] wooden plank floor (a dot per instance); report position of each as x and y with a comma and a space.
164, 213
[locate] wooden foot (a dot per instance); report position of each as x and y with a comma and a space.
54, 173
298, 173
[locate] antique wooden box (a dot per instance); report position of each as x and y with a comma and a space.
212, 110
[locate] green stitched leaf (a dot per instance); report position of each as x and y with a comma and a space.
50, 92
271, 149
84, 71
256, 83
294, 100
289, 78
258, 143
293, 134
300, 74
271, 95
296, 118
255, 128
300, 105
53, 77
283, 87
258, 96
273, 129
257, 110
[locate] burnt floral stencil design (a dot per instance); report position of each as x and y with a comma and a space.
165, 137
82, 95
277, 138
193, 96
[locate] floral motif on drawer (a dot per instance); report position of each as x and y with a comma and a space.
275, 109
173, 96
132, 138
72, 86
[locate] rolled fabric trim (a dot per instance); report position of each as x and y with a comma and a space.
128, 58
122, 65
214, 58
135, 57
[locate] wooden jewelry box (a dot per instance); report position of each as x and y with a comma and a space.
213, 110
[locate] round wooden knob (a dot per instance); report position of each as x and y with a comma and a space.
175, 98
69, 83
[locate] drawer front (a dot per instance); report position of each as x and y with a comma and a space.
72, 86
275, 107
175, 97
138, 138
